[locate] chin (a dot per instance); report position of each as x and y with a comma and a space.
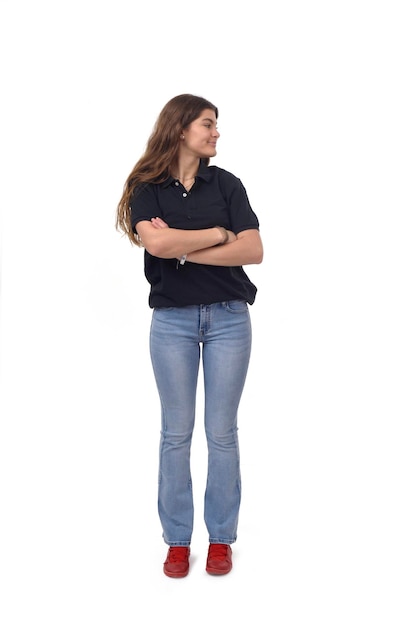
207, 154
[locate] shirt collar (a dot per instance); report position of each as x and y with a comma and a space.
204, 172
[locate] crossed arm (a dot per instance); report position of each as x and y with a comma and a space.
200, 246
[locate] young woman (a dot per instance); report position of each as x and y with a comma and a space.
197, 229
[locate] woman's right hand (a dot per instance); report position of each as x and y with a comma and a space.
231, 236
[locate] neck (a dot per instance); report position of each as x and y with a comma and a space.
185, 169
182, 176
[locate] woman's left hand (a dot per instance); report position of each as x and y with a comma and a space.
158, 222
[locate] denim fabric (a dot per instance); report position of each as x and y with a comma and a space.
220, 336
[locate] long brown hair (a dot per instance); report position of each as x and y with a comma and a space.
161, 152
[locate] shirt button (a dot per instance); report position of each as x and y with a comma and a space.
184, 195
176, 183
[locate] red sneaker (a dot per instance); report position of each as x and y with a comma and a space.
219, 558
177, 562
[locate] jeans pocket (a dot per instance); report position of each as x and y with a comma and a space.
236, 306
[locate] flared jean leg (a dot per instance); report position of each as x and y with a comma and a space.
226, 354
175, 355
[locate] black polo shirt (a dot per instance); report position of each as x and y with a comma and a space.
217, 198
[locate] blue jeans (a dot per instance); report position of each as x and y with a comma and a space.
221, 334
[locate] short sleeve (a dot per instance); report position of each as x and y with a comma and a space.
144, 204
242, 216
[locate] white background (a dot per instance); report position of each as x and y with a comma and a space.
317, 106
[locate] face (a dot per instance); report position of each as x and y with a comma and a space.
201, 136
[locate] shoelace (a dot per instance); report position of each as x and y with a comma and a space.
218, 551
177, 554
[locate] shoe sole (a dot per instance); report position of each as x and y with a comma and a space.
175, 575
216, 572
